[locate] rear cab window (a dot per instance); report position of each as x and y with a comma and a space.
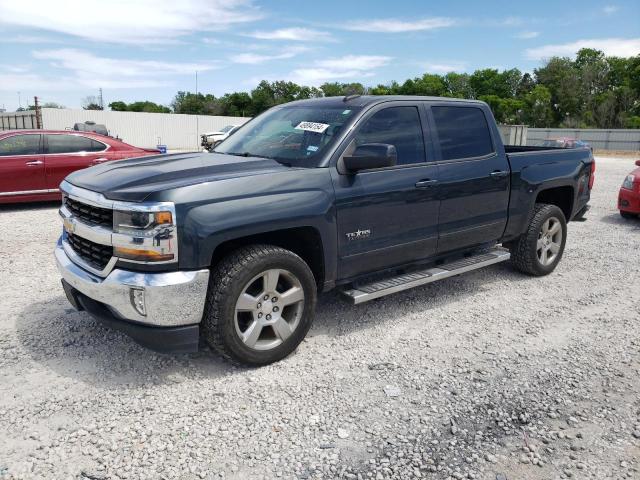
462, 131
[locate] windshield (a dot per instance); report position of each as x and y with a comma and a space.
226, 129
295, 135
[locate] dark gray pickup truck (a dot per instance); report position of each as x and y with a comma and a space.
372, 195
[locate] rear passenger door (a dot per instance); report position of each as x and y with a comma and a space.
388, 216
66, 153
474, 177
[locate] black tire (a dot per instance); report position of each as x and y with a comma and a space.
228, 281
524, 250
628, 215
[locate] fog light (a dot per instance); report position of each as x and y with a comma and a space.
137, 300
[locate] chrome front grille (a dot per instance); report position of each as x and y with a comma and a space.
94, 254
90, 214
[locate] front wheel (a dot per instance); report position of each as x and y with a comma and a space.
627, 215
539, 250
260, 304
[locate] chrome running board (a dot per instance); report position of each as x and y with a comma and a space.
361, 293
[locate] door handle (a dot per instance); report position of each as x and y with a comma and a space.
98, 161
34, 163
499, 173
426, 183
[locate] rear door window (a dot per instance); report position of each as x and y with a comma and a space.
72, 144
20, 145
397, 126
463, 132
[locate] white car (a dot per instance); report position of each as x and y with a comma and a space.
212, 139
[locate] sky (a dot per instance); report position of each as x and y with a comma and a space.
63, 50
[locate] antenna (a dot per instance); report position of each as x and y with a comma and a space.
351, 97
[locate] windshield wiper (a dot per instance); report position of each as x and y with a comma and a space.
249, 154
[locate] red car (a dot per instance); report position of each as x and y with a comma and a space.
629, 196
34, 162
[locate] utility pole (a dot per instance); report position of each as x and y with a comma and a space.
38, 117
19, 101
100, 101
197, 118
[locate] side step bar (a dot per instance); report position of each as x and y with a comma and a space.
364, 292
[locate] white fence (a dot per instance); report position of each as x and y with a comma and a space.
178, 132
604, 139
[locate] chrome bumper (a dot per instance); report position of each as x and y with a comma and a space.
171, 299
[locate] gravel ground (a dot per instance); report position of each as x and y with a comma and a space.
490, 375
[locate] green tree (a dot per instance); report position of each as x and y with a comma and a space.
538, 111
562, 80
118, 106
457, 85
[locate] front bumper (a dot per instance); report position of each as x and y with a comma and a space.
629, 200
173, 300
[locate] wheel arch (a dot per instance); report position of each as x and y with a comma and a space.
304, 241
560, 196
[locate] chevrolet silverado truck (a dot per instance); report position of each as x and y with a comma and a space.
370, 195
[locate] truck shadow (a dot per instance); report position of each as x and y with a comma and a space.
616, 219
20, 207
337, 317
74, 345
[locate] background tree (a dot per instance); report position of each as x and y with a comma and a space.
592, 90
91, 103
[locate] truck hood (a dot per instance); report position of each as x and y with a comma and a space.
135, 179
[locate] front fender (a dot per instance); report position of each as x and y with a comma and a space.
246, 207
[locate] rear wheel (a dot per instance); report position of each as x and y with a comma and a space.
260, 304
539, 250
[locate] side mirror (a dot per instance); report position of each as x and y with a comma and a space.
638, 163
371, 155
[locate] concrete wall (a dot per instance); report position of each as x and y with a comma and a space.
178, 132
513, 134
18, 120
603, 139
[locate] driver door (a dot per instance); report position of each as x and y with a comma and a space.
387, 217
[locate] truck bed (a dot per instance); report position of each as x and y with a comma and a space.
525, 148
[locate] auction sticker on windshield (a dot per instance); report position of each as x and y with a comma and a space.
312, 127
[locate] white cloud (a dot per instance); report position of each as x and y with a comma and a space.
527, 35
256, 58
127, 21
511, 22
296, 34
444, 67
30, 39
618, 47
610, 9
353, 67
88, 70
13, 82
354, 62
392, 25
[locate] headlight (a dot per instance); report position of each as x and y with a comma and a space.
140, 222
628, 182
145, 235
